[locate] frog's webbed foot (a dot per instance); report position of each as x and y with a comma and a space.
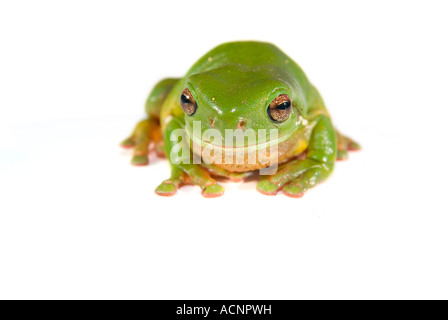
169, 187
145, 133
185, 174
345, 144
295, 178
297, 187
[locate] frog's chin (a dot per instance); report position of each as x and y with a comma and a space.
245, 158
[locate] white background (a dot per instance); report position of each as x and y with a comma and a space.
78, 221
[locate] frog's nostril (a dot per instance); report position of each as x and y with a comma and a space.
241, 124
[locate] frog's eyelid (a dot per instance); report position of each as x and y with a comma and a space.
278, 91
188, 94
192, 90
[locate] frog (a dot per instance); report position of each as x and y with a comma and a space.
241, 86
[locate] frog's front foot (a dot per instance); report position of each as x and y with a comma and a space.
213, 191
295, 178
167, 188
345, 144
190, 174
145, 133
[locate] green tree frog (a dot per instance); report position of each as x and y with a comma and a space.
240, 87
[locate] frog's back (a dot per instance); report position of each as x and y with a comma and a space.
250, 54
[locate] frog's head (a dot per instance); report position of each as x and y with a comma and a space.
242, 98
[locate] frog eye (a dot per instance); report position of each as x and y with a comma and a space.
188, 103
280, 108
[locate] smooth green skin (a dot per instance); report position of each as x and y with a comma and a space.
233, 82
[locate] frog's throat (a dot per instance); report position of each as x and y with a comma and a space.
246, 149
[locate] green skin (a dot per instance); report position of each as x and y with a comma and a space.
232, 84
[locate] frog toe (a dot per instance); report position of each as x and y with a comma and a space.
267, 187
213, 191
166, 189
345, 144
342, 155
140, 160
128, 143
353, 146
293, 191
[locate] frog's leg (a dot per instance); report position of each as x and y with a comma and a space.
160, 149
306, 173
145, 132
345, 144
148, 130
186, 173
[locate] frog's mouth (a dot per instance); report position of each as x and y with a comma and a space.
198, 141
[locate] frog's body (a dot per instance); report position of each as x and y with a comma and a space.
242, 86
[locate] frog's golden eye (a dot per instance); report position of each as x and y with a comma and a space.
188, 103
280, 108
